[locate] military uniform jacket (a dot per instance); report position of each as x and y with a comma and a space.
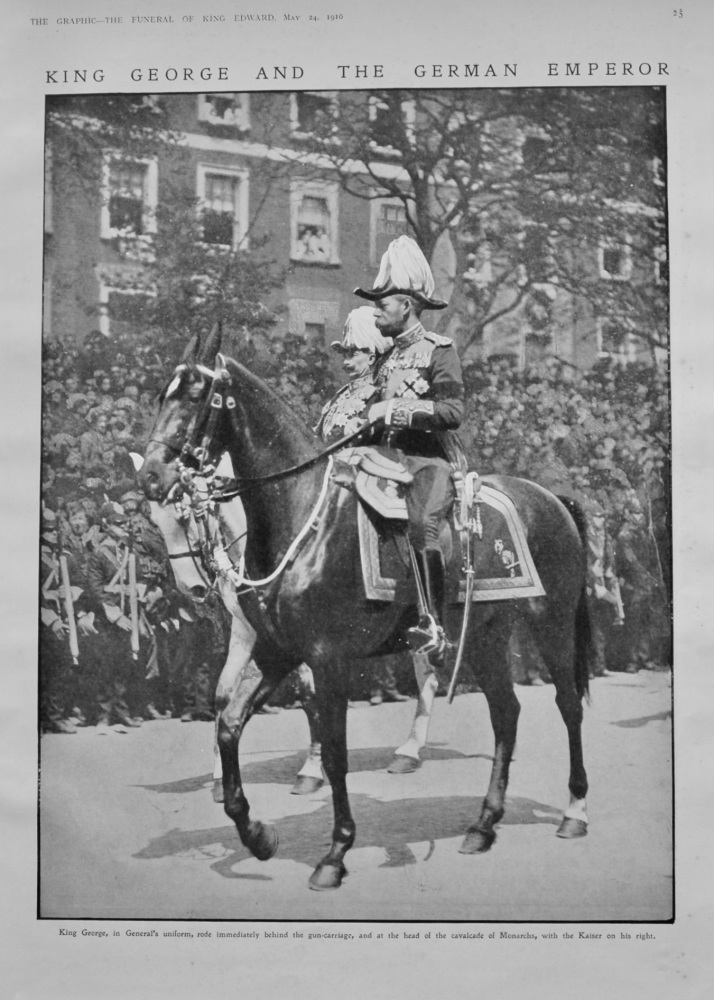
347, 410
102, 568
422, 376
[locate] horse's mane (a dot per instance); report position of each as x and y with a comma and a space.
285, 415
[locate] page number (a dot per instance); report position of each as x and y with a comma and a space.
677, 12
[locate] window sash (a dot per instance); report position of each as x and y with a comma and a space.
222, 205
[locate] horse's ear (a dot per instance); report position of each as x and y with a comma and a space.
212, 345
189, 354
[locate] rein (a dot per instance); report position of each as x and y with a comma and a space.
211, 409
238, 576
243, 485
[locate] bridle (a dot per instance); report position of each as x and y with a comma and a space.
195, 447
192, 457
193, 452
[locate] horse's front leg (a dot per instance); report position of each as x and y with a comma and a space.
494, 677
311, 776
407, 757
332, 685
252, 689
240, 649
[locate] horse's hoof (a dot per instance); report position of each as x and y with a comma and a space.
218, 790
306, 785
477, 842
327, 876
401, 764
570, 828
265, 843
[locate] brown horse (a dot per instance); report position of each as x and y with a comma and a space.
303, 593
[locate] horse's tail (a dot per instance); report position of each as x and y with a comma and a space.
583, 631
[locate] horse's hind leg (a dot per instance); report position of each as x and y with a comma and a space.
558, 649
311, 776
332, 681
252, 690
491, 669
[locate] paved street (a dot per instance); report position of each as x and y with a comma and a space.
129, 828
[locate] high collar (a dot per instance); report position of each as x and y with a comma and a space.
409, 337
359, 379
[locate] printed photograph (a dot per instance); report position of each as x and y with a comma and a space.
355, 544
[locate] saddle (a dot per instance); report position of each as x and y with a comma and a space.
484, 521
379, 479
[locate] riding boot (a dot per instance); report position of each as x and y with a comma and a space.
428, 636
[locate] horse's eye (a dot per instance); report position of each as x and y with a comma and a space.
173, 386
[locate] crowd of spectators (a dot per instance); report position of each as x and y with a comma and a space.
600, 437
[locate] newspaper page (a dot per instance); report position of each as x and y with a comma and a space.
174, 175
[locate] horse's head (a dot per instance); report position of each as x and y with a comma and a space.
189, 432
212, 405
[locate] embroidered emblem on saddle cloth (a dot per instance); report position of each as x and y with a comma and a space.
502, 560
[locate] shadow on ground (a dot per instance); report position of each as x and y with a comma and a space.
637, 723
392, 825
283, 770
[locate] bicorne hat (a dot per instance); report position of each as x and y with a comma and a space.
404, 271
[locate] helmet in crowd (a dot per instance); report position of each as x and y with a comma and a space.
112, 513
77, 400
48, 524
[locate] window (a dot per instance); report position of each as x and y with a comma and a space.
615, 341
313, 222
315, 335
385, 124
538, 255
312, 111
615, 261
129, 197
314, 319
223, 204
123, 310
231, 110
537, 347
145, 102
389, 222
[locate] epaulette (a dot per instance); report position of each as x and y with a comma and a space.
436, 338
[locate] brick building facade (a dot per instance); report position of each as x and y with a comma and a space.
249, 162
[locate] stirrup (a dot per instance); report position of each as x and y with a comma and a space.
427, 637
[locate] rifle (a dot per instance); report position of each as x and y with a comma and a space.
133, 597
67, 598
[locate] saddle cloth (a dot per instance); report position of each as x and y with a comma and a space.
504, 567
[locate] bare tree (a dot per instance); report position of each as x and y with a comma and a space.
536, 193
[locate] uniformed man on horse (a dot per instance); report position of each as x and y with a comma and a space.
420, 400
361, 346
